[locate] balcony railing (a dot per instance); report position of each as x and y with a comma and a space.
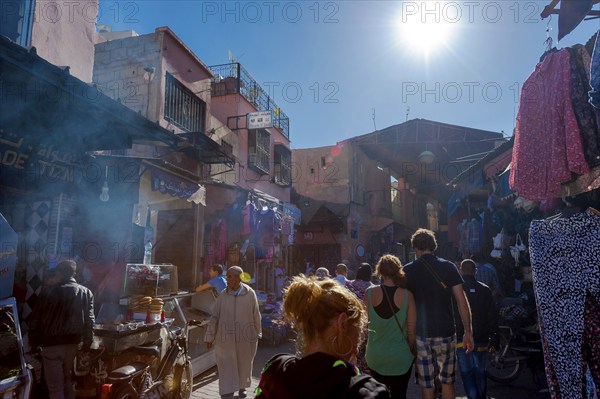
233, 78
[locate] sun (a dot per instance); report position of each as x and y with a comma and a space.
424, 34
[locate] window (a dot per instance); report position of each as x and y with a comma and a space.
17, 19
182, 107
283, 165
259, 146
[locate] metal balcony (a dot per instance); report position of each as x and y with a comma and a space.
233, 78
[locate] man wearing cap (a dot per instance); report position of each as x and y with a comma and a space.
234, 329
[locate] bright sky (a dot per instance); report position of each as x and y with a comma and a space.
331, 65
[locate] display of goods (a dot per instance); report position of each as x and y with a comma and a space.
150, 280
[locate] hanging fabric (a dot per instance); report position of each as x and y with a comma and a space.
584, 112
595, 75
548, 145
473, 237
564, 258
248, 222
591, 343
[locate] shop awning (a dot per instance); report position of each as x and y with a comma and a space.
467, 186
45, 102
207, 150
498, 164
475, 177
495, 161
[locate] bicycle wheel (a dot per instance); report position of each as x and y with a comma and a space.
184, 378
503, 369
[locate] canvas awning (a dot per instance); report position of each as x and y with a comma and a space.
44, 101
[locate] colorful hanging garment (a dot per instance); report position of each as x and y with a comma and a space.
564, 258
548, 145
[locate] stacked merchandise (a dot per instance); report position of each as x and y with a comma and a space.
143, 307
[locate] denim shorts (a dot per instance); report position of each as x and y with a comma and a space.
436, 356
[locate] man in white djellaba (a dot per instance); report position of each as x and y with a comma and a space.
234, 329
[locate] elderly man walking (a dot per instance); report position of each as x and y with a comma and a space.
234, 329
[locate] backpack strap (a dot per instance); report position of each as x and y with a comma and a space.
366, 387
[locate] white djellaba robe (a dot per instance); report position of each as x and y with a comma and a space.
234, 329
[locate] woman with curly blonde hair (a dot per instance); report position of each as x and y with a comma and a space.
330, 320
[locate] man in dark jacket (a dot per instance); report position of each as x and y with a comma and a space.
485, 325
62, 319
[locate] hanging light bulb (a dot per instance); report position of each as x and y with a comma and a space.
427, 157
104, 197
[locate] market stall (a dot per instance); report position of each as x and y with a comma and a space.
161, 282
129, 331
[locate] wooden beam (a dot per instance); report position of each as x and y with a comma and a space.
550, 9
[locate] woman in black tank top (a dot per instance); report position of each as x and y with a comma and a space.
386, 305
383, 309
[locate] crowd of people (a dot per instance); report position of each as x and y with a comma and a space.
363, 337
357, 338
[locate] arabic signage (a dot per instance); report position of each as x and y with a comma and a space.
168, 184
28, 158
260, 120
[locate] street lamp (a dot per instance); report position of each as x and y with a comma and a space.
426, 157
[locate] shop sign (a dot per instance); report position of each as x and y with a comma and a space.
23, 155
260, 120
172, 185
360, 251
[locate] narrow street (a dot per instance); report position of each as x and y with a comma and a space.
206, 385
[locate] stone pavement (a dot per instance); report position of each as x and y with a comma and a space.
206, 386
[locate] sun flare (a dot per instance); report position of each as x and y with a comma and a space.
424, 36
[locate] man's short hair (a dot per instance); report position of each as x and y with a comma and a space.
217, 268
66, 269
468, 266
341, 269
424, 240
364, 272
322, 272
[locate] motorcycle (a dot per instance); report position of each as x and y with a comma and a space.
516, 351
172, 377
